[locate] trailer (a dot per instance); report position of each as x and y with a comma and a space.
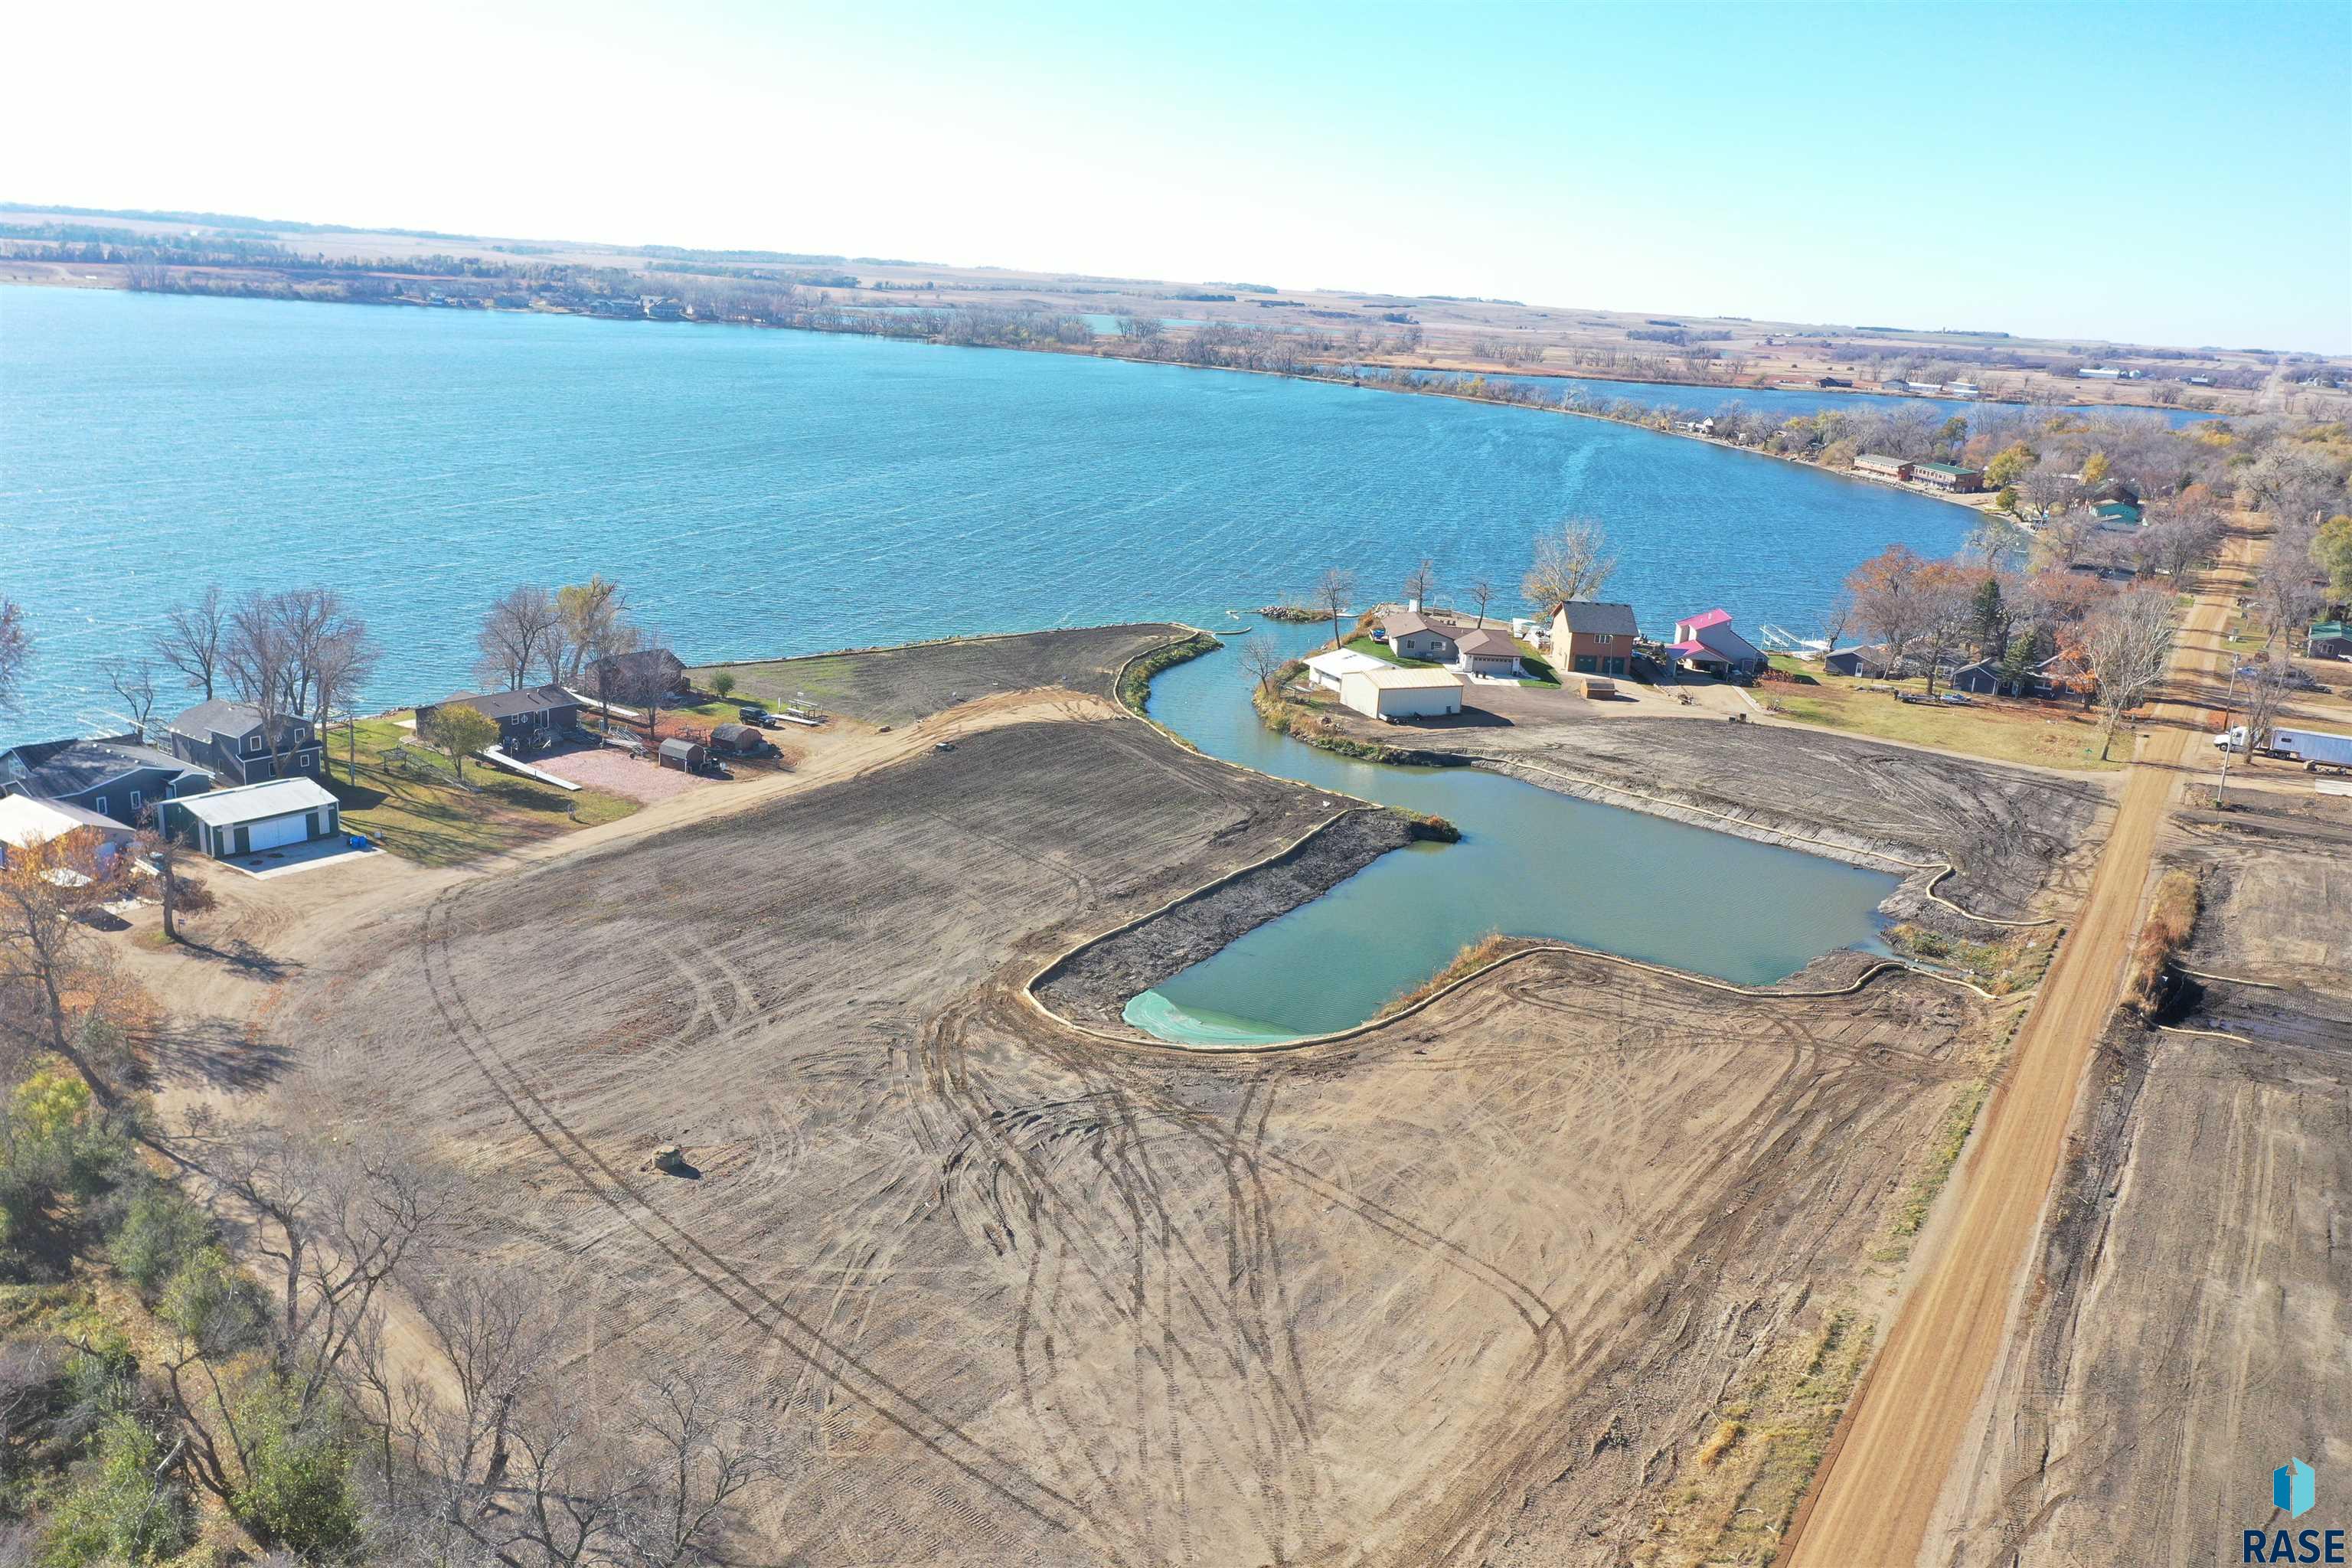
2314, 749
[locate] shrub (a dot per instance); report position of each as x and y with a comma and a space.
116, 1510
298, 1484
2171, 916
1719, 1444
722, 685
161, 1232
210, 1301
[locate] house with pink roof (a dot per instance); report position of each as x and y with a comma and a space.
1708, 644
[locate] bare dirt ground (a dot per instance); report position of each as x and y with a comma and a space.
616, 772
2192, 1326
895, 686
1473, 1288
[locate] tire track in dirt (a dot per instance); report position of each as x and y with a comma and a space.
866, 1385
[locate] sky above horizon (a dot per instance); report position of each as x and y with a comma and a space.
2157, 173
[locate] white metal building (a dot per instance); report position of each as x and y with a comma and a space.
1402, 693
26, 822
1328, 669
225, 823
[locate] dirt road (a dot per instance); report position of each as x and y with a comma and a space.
1879, 1487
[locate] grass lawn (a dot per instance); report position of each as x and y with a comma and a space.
1386, 655
1539, 668
412, 805
2053, 734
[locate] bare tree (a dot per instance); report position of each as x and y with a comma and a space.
514, 636
191, 639
53, 970
1332, 591
1421, 584
1481, 590
260, 659
2178, 542
182, 894
2047, 486
1263, 661
341, 662
2127, 643
1574, 562
2265, 691
615, 639
16, 655
133, 680
1944, 597
702, 1445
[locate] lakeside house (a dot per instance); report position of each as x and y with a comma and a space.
525, 718
2328, 639
630, 677
230, 739
1592, 637
1391, 692
1883, 466
1708, 644
26, 822
1412, 635
118, 777
250, 818
1489, 651
1948, 476
1866, 661
2116, 514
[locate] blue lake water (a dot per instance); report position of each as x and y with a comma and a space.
763, 492
1531, 862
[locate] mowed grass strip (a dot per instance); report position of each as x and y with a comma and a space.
2050, 732
406, 798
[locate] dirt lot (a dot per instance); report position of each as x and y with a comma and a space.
895, 686
616, 772
2191, 1326
1474, 1287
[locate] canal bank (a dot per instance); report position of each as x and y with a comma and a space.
1532, 862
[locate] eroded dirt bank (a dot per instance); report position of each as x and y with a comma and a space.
1093, 984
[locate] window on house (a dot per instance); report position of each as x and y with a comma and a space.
252, 742
134, 800
98, 806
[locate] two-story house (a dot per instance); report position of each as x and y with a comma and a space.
229, 739
1592, 637
116, 778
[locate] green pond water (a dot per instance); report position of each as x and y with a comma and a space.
1531, 862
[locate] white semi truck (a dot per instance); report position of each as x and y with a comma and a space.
2314, 749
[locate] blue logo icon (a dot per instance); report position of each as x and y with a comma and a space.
2292, 1487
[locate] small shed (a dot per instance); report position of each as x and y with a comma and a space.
684, 755
1402, 693
1869, 661
738, 741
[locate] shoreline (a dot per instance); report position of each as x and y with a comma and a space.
1096, 351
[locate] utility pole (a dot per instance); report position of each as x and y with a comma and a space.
2229, 701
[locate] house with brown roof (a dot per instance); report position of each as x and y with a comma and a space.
1592, 637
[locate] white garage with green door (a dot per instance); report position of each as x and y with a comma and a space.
255, 818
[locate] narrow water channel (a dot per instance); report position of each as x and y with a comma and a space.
1531, 862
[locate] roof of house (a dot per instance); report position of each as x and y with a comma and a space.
1954, 470
219, 716
254, 802
24, 820
508, 704
1598, 617
1395, 679
50, 768
1880, 457
1874, 650
2331, 629
1696, 624
1338, 662
1404, 623
1487, 642
643, 659
1693, 649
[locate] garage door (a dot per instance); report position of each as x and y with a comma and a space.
280, 830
